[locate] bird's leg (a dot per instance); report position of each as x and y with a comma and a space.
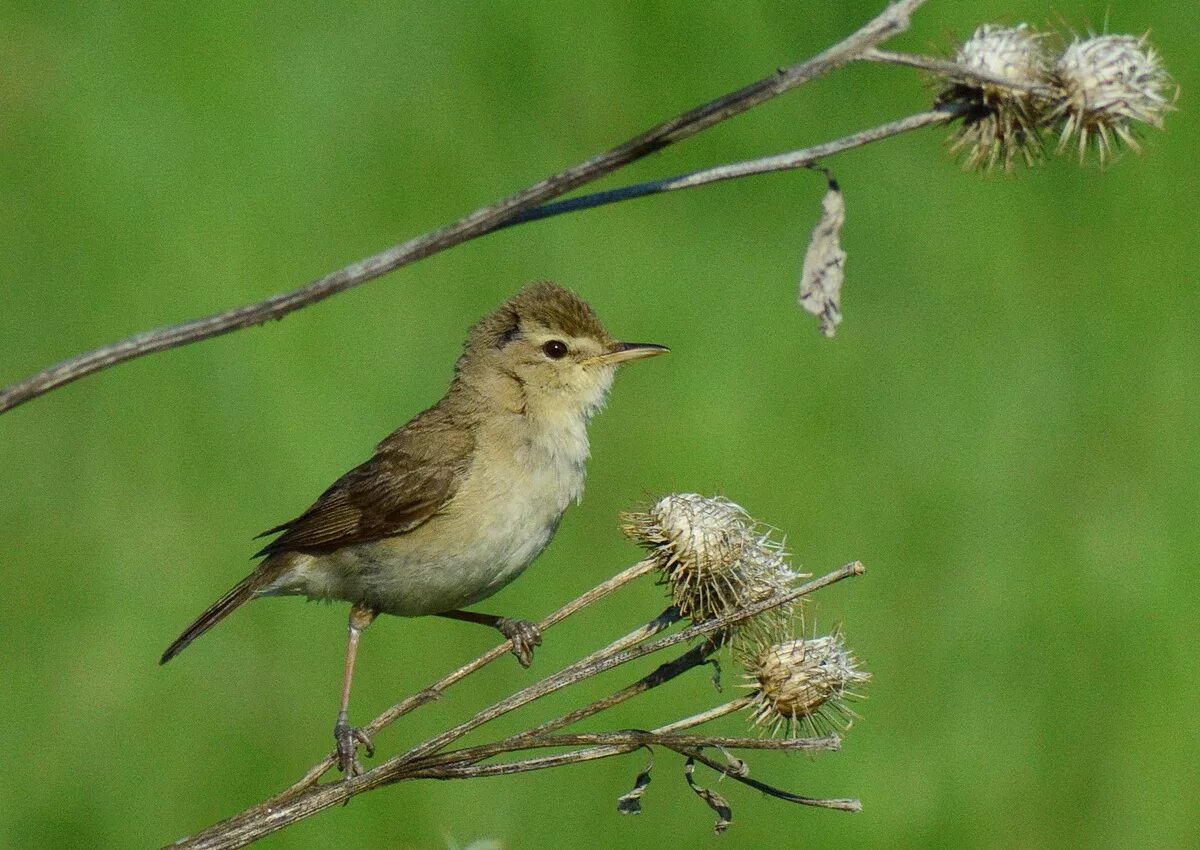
523, 634
349, 737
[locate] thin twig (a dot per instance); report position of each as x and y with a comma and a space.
630, 737
621, 651
593, 754
262, 820
893, 20
435, 691
608, 750
597, 662
664, 673
714, 713
948, 70
732, 773
637, 740
765, 165
694, 657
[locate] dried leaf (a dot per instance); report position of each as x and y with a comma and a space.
631, 803
711, 798
737, 766
825, 262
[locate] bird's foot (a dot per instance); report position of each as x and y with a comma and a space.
524, 636
348, 738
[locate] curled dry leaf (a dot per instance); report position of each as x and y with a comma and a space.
631, 803
711, 798
825, 262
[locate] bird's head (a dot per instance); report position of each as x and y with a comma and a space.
546, 353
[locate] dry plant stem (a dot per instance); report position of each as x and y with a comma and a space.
539, 689
629, 738
585, 668
455, 760
578, 604
841, 805
893, 20
716, 712
766, 165
294, 799
651, 739
270, 817
946, 69
617, 742
694, 657
708, 627
508, 768
435, 691
621, 651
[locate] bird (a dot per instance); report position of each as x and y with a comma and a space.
457, 503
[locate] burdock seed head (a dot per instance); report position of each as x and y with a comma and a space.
1106, 85
803, 685
999, 123
715, 558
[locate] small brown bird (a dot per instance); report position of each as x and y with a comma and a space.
458, 502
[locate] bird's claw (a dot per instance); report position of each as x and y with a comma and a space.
524, 636
348, 739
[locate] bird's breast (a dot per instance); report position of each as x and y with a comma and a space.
503, 514
514, 497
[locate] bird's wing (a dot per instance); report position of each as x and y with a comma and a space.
413, 475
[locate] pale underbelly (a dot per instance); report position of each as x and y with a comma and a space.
412, 575
502, 517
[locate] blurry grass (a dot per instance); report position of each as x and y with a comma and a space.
1003, 430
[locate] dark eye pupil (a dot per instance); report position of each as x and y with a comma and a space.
555, 349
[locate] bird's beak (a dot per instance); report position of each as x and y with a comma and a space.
623, 352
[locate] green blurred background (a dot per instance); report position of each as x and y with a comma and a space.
1003, 431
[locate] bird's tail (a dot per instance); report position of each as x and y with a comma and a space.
241, 593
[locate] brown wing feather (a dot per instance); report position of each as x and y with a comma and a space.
414, 473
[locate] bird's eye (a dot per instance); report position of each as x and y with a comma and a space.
555, 349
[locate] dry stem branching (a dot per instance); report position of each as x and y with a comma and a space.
1093, 94
1097, 93
893, 20
436, 758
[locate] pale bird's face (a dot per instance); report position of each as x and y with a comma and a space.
569, 375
